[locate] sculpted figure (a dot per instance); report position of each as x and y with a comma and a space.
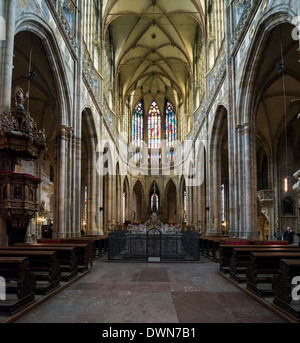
21, 97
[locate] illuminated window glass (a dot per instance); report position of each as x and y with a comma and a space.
85, 204
152, 201
185, 206
124, 207
138, 124
223, 202
171, 125
154, 127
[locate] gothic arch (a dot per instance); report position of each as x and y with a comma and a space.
246, 99
170, 196
126, 201
50, 106
36, 26
219, 172
261, 87
182, 215
89, 176
138, 201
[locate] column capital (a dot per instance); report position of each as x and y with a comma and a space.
63, 130
246, 128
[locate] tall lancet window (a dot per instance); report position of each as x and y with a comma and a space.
223, 203
154, 127
85, 205
171, 124
171, 130
138, 124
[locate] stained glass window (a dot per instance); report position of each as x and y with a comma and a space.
185, 206
154, 158
138, 124
223, 202
124, 207
152, 201
85, 205
154, 127
171, 124
171, 156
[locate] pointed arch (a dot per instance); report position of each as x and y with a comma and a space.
125, 201
219, 178
154, 126
170, 196
138, 124
154, 189
137, 201
90, 200
44, 32
171, 126
182, 196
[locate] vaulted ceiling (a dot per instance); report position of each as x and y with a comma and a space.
153, 43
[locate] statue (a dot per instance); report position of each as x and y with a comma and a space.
21, 98
133, 216
42, 208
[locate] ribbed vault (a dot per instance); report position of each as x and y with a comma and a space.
154, 45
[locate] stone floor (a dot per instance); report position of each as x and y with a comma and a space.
152, 293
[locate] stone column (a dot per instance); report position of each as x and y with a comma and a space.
69, 178
214, 226
60, 189
110, 200
189, 205
76, 201
233, 205
100, 221
249, 213
8, 12
77, 125
296, 188
202, 201
92, 193
196, 203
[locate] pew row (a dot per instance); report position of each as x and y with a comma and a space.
81, 252
20, 284
263, 267
283, 288
43, 264
65, 257
226, 251
209, 246
91, 249
240, 259
101, 244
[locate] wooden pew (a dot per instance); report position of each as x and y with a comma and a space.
65, 257
282, 288
240, 258
20, 284
81, 252
45, 266
91, 253
262, 268
209, 246
226, 250
101, 244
